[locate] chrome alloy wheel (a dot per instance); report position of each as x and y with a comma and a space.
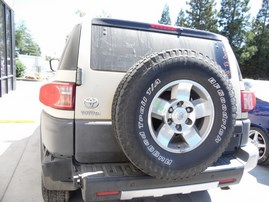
259, 141
181, 116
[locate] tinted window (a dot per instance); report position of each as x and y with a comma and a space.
69, 59
117, 49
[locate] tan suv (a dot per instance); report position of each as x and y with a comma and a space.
139, 110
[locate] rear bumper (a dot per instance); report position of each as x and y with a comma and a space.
159, 192
248, 156
124, 181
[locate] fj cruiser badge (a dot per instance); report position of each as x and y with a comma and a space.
91, 102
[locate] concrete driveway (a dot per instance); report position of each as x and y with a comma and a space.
20, 161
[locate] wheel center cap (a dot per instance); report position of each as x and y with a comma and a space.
179, 115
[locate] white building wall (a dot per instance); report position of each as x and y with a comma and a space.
34, 64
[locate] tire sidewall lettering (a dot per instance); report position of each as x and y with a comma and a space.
144, 133
224, 108
142, 130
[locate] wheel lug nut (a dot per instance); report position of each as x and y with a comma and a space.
189, 109
178, 127
169, 121
188, 121
170, 110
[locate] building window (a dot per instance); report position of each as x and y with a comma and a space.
7, 73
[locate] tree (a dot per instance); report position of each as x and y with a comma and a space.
80, 13
165, 18
202, 15
262, 19
249, 48
257, 66
234, 22
24, 42
181, 19
247, 51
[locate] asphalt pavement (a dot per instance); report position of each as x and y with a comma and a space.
20, 159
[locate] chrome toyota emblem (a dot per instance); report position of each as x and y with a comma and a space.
91, 102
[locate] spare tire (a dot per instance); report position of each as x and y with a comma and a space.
173, 114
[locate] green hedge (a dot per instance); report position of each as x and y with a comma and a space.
20, 68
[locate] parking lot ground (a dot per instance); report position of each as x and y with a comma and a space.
19, 119
20, 170
20, 159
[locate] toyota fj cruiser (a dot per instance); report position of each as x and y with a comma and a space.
138, 110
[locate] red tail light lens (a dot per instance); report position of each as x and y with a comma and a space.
248, 100
58, 95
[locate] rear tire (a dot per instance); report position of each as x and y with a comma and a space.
53, 195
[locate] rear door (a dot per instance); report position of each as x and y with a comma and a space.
94, 138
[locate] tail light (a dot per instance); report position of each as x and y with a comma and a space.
229, 180
164, 27
58, 95
107, 193
248, 100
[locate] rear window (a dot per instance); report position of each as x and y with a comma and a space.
69, 59
118, 49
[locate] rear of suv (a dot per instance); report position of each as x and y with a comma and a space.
139, 110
